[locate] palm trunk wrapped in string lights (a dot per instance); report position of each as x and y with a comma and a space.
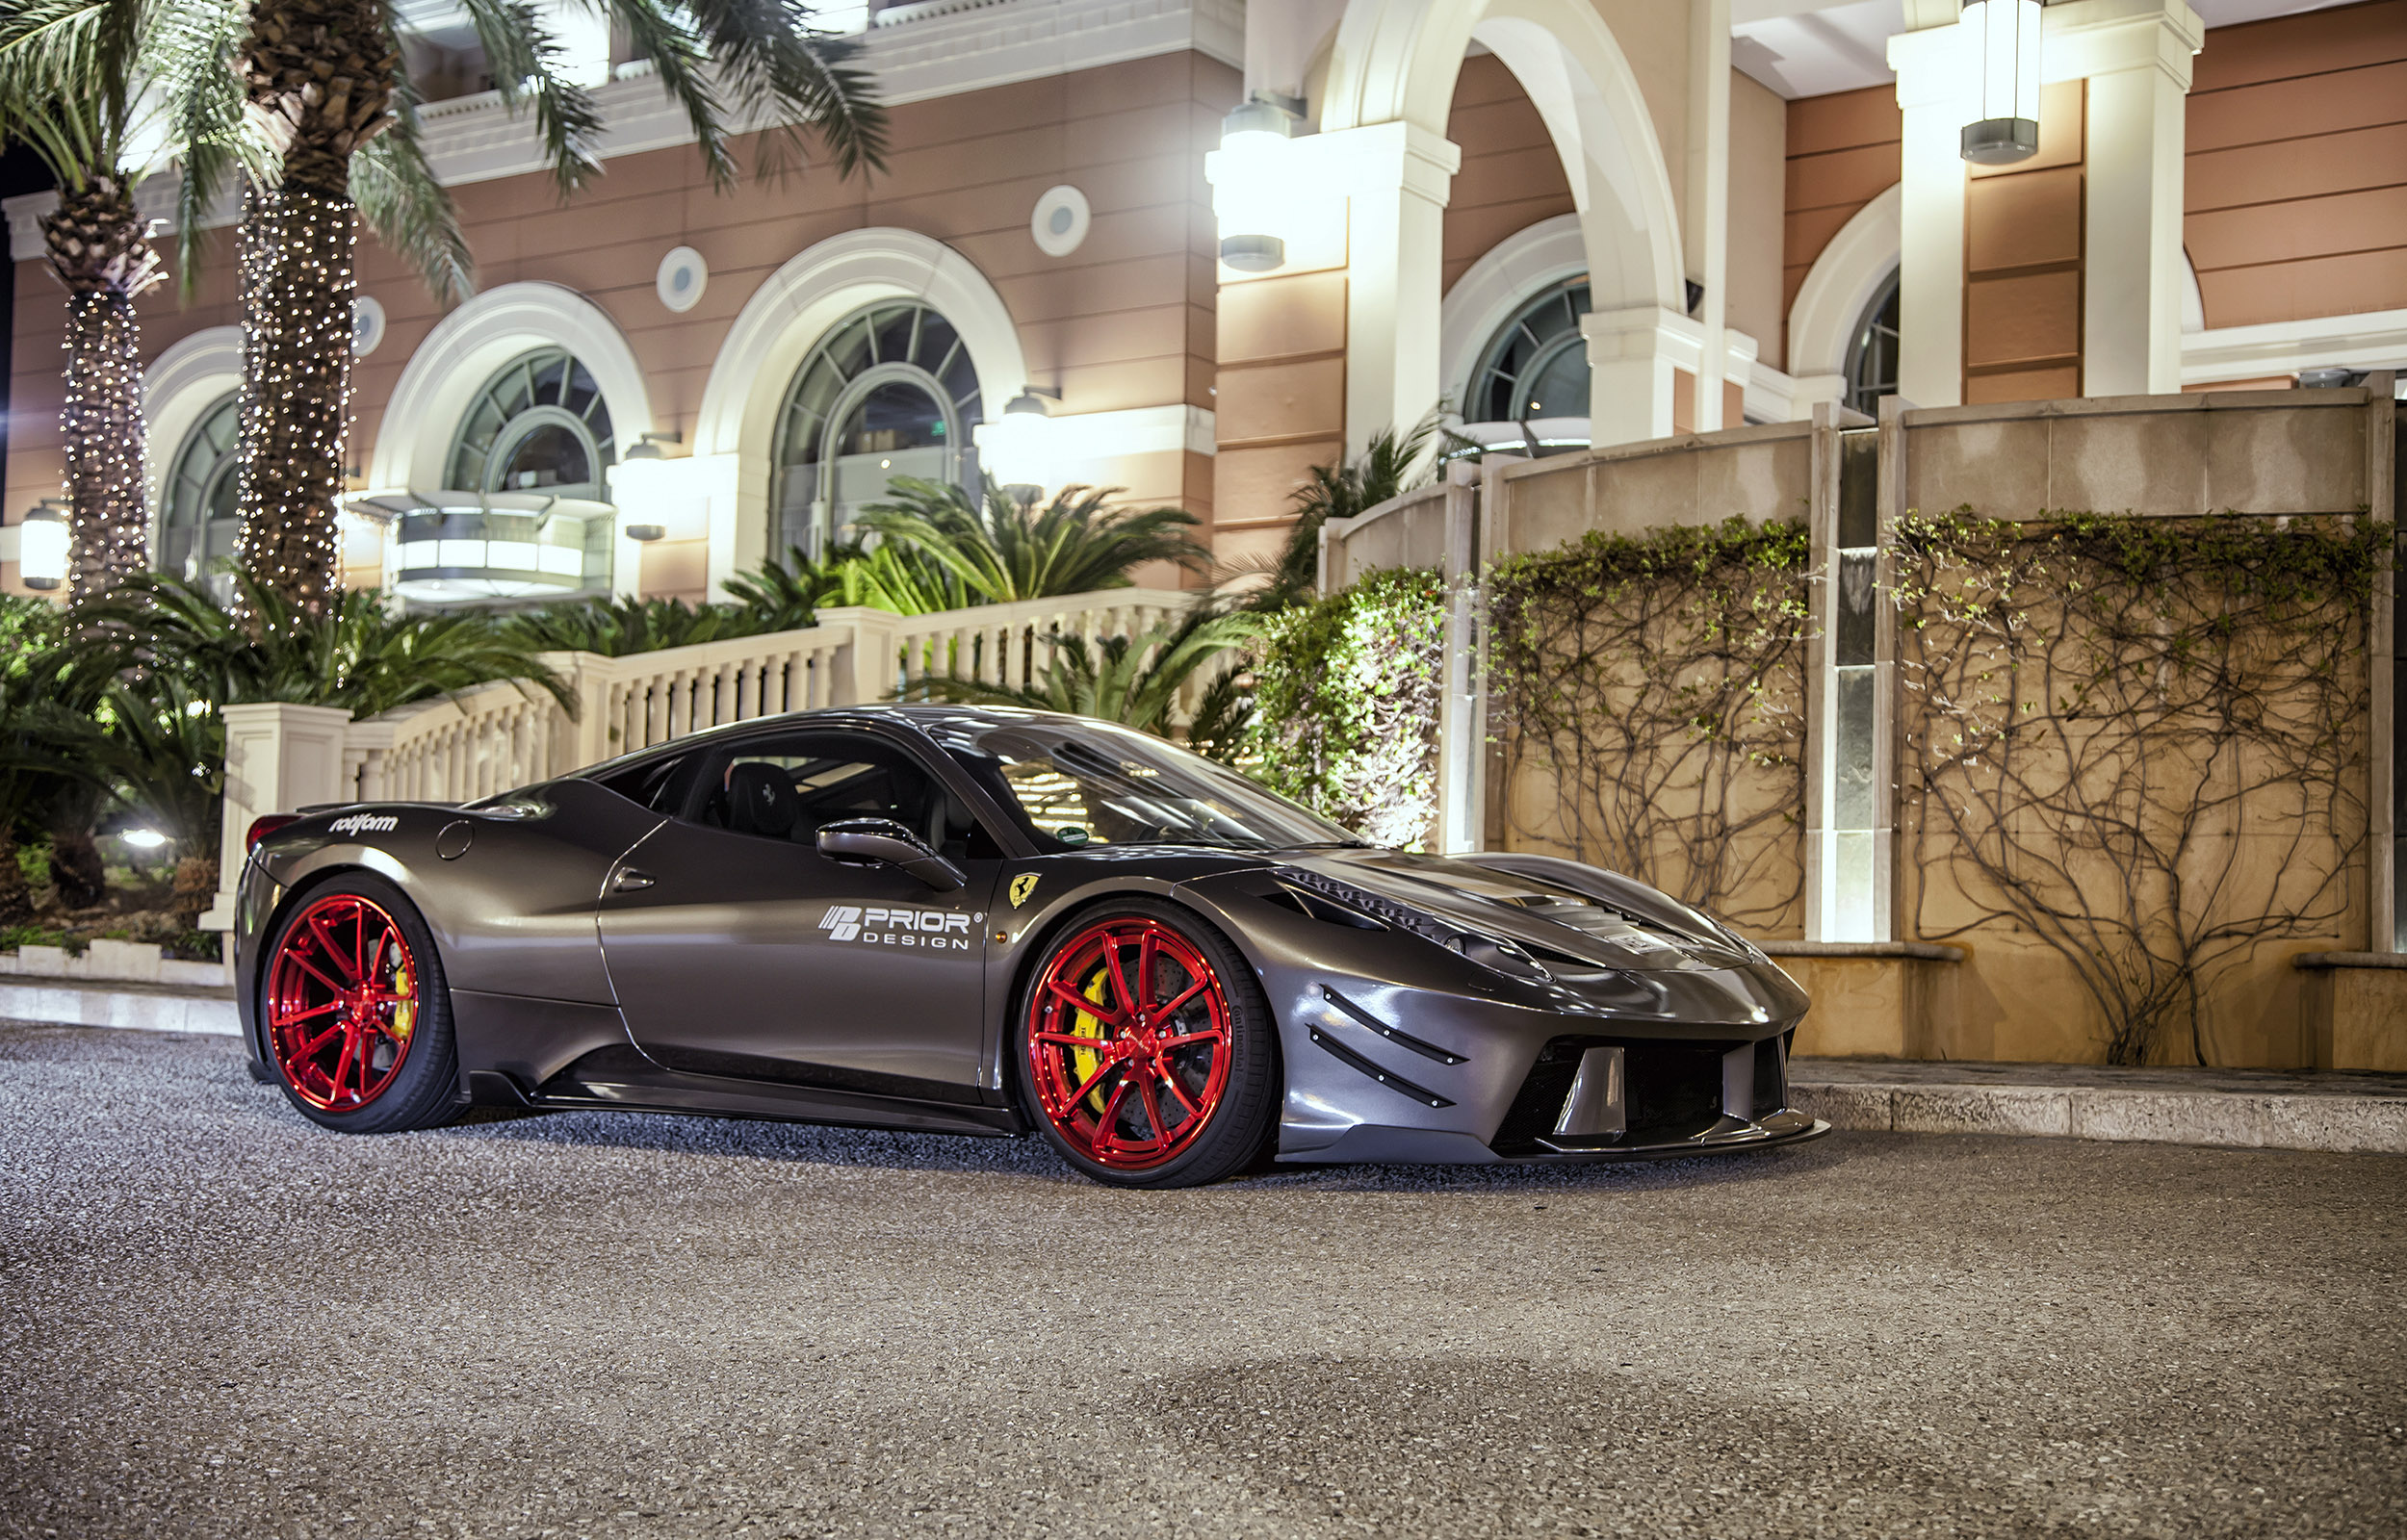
320, 76
97, 248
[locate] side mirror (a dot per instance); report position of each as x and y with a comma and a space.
883, 842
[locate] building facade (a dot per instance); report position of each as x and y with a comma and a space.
1565, 222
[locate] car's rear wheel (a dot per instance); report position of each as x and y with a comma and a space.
354, 1012
1147, 1053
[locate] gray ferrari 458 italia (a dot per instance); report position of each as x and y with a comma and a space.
989, 921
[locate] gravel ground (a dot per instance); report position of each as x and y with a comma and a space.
216, 1320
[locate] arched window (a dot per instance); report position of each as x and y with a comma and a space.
1871, 354
198, 517
538, 425
1537, 364
889, 392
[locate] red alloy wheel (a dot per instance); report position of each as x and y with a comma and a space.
342, 1003
1128, 1042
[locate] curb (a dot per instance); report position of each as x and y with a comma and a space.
149, 1008
2243, 1120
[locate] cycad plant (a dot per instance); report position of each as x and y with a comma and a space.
67, 91
311, 102
1134, 680
1000, 549
351, 652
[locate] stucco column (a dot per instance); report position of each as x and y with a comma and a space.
1631, 355
1396, 176
2136, 55
1931, 75
1709, 193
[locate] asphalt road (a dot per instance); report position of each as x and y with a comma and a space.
216, 1320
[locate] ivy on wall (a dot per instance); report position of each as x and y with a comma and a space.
1345, 704
2142, 740
1659, 680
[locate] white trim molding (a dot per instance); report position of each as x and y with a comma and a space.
178, 390
1484, 297
2373, 340
790, 311
413, 439
1841, 283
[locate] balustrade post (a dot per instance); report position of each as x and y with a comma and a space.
277, 757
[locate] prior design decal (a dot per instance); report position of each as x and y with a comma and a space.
1021, 886
897, 925
373, 823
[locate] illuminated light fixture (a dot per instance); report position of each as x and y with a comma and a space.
143, 838
41, 550
1017, 449
1247, 187
464, 546
648, 445
2005, 38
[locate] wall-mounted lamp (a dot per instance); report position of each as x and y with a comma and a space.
41, 550
643, 534
1247, 182
2005, 42
1017, 446
648, 444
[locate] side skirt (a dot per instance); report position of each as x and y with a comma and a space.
620, 1080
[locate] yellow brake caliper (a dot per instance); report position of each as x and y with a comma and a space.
1087, 1026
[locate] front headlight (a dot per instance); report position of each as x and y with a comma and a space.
1495, 953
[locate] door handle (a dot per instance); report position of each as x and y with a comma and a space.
630, 881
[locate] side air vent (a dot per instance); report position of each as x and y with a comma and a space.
1314, 906
1393, 1082
1395, 1035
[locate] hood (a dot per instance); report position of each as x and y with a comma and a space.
1606, 921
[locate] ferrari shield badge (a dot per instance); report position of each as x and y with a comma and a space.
1021, 886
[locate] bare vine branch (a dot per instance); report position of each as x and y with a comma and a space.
2140, 740
1661, 680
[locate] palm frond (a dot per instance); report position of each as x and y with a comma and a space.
68, 68
661, 34
1004, 550
1389, 467
1134, 680
209, 132
408, 209
523, 56
783, 76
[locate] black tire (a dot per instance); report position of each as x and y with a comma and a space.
1240, 1124
422, 1089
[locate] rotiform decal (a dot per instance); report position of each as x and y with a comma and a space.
366, 823
897, 925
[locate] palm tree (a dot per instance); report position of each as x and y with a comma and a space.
1001, 548
1386, 469
1134, 680
68, 71
312, 102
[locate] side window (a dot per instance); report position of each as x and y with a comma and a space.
789, 788
653, 784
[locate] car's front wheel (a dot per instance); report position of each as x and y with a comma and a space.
354, 1012
1147, 1046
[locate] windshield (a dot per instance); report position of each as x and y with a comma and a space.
1093, 783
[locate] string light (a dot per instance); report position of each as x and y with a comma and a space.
297, 287
99, 250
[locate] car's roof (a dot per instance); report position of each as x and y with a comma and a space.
940, 722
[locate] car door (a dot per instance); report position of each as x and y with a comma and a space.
736, 949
